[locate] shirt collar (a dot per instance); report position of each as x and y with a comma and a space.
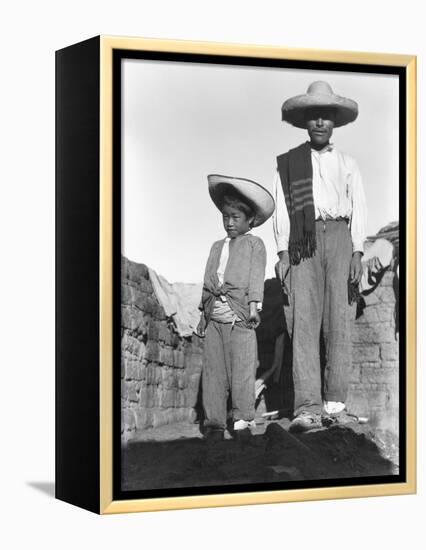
328, 148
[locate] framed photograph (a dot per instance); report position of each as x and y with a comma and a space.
235, 274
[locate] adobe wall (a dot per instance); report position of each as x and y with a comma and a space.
375, 369
160, 372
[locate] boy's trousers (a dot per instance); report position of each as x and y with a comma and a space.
230, 362
319, 300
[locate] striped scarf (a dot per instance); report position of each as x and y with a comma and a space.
295, 169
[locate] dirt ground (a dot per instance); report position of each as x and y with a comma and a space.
176, 456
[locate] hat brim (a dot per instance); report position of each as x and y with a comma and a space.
293, 110
259, 198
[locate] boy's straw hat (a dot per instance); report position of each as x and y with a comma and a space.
319, 94
257, 196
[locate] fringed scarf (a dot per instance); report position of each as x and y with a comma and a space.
295, 169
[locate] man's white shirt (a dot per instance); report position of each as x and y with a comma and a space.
337, 191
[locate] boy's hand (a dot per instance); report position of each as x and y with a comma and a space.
254, 317
201, 328
355, 272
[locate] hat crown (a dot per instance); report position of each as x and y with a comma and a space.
320, 87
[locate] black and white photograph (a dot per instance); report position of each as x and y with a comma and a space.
259, 325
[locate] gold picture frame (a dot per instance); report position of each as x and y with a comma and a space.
102, 500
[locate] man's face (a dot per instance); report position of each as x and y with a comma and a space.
320, 124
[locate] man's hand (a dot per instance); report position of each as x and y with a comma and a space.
355, 271
254, 317
281, 269
201, 328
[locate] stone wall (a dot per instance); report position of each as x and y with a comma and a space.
160, 371
375, 369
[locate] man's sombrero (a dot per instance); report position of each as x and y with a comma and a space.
256, 196
319, 94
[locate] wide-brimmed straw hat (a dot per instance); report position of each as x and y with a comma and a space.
319, 94
257, 197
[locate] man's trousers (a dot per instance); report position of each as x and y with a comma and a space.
318, 301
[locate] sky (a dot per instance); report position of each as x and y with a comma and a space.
183, 121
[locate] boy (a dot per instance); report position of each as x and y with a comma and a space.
231, 299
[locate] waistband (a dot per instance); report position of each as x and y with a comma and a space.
330, 219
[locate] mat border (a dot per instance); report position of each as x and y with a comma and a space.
107, 46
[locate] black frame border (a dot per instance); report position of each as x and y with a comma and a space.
118, 56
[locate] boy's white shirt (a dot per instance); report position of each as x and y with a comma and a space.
337, 191
224, 257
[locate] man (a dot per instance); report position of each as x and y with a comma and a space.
320, 228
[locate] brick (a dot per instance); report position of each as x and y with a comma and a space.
167, 398
390, 364
133, 392
386, 294
150, 396
143, 418
386, 314
182, 380
180, 399
169, 381
145, 286
371, 298
126, 295
153, 330
178, 359
131, 345
141, 352
374, 333
129, 420
131, 370
389, 351
158, 312
150, 374
375, 375
145, 302
135, 272
152, 352
164, 332
362, 353
123, 390
369, 315
158, 375
357, 401
387, 279
131, 318
166, 355
355, 373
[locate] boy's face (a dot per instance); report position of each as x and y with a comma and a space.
235, 221
320, 124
